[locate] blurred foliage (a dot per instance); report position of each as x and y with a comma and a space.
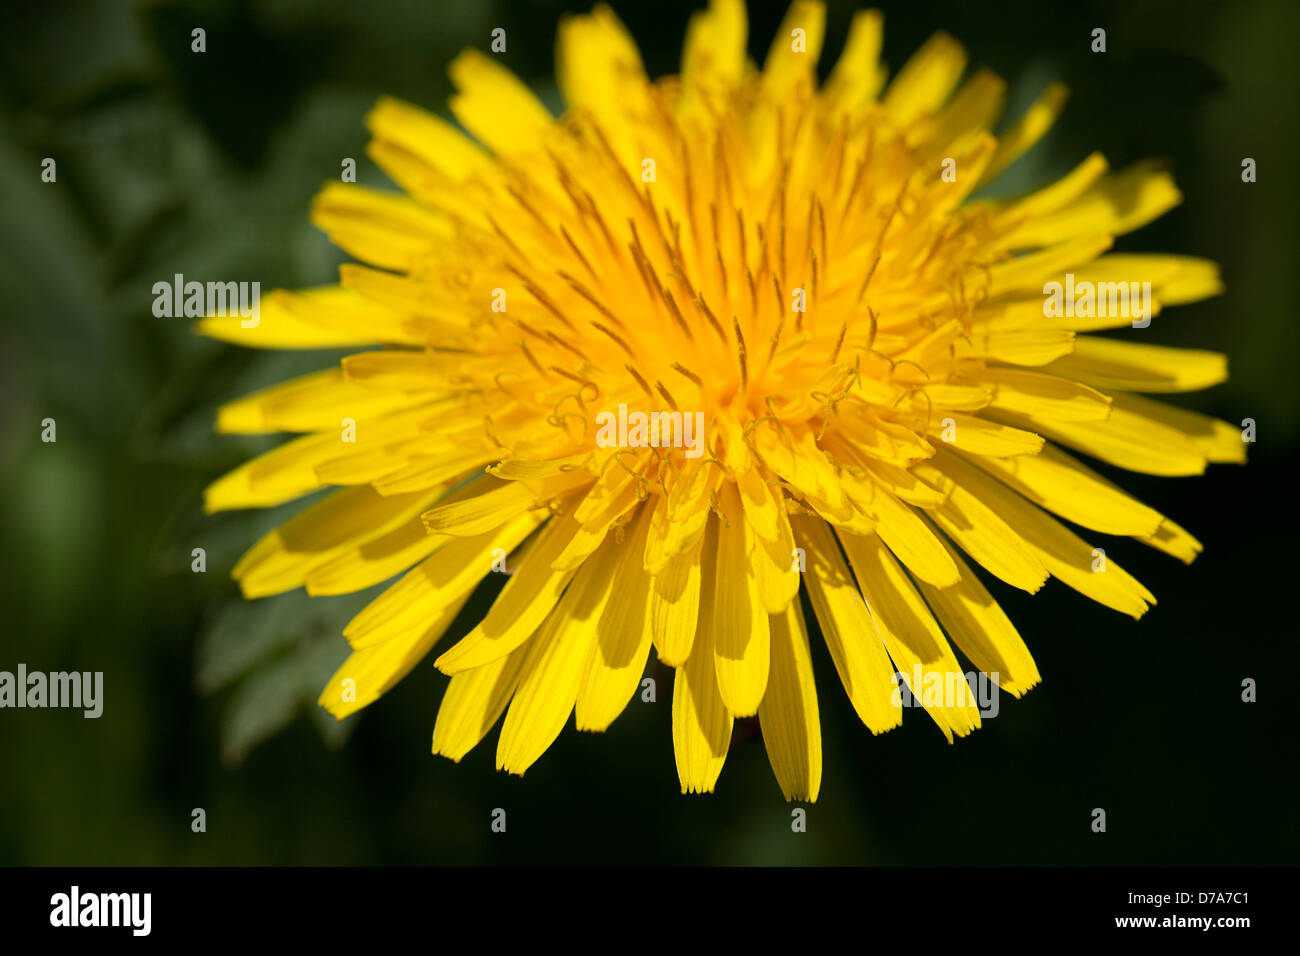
205, 164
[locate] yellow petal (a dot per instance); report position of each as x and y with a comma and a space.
428, 138
969, 521
741, 637
1023, 346
596, 521
701, 724
1032, 271
277, 476
1058, 483
1047, 397
1135, 367
473, 702
392, 370
1114, 205
1219, 441
386, 229
1172, 539
713, 57
349, 518
855, 647
982, 630
425, 304
905, 485
436, 466
554, 669
528, 597
1060, 193
675, 604
598, 68
858, 74
1176, 280
618, 655
788, 714
1127, 439
1068, 557
438, 582
911, 636
775, 576
310, 403
1027, 130
909, 538
926, 80
324, 317
679, 522
973, 110
760, 504
980, 437
373, 561
492, 103
369, 673
487, 502
788, 69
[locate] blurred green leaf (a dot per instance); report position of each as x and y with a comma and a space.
277, 653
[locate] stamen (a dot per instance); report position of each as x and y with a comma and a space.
821, 221
740, 347
835, 353
703, 306
640, 381
582, 290
776, 337
543, 298
870, 272
616, 337
506, 238
716, 507
568, 347
578, 252
677, 313
682, 369
582, 383
528, 208
740, 228
528, 354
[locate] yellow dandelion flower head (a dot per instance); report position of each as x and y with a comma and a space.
698, 344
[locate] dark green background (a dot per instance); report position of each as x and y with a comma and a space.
205, 164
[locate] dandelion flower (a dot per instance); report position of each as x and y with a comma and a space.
887, 394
